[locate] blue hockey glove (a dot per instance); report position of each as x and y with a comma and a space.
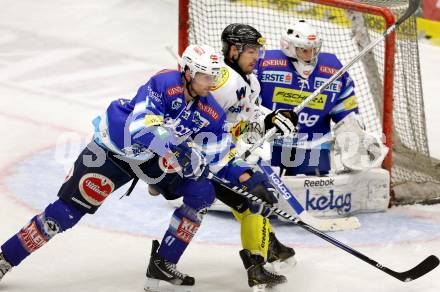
259, 186
191, 160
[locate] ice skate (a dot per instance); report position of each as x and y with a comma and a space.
279, 256
4, 266
258, 277
162, 270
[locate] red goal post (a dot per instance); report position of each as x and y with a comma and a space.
390, 106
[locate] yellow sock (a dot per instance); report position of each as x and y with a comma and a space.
254, 232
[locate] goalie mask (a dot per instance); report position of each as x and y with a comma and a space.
201, 59
301, 42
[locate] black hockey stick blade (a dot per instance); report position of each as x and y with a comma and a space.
412, 8
429, 264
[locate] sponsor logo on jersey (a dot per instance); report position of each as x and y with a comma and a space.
235, 109
311, 37
350, 103
199, 121
136, 149
241, 93
239, 129
274, 63
177, 103
95, 188
295, 97
335, 86
153, 120
174, 90
221, 78
31, 238
327, 70
156, 96
186, 230
168, 163
281, 77
209, 110
330, 201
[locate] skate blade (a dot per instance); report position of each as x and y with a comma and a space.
259, 288
152, 285
280, 267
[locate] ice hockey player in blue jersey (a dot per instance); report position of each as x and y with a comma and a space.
290, 75
166, 135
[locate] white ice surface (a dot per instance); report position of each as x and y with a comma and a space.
60, 63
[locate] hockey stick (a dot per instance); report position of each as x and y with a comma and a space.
334, 224
412, 8
421, 269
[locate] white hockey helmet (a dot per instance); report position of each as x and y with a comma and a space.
301, 34
203, 59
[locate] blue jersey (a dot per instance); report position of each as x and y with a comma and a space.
282, 87
159, 115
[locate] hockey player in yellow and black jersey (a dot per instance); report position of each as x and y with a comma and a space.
237, 91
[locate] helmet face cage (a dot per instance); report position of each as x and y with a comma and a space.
242, 36
301, 34
201, 59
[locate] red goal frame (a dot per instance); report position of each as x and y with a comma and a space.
389, 53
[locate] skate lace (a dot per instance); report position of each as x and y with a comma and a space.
276, 277
173, 270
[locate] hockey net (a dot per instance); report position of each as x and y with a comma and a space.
391, 70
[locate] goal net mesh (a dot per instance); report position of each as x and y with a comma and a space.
414, 175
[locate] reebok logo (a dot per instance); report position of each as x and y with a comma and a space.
319, 183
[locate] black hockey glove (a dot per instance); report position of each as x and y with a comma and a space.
259, 186
286, 121
191, 160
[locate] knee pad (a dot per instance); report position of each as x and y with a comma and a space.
198, 195
58, 217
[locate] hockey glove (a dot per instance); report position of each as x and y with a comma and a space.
284, 120
191, 160
259, 186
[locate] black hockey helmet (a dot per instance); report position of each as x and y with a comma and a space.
241, 35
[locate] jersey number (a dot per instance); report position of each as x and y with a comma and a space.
308, 120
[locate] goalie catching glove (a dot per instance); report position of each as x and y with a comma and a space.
284, 120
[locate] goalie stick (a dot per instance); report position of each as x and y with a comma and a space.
427, 265
412, 7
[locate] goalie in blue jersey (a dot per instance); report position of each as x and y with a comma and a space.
171, 134
287, 77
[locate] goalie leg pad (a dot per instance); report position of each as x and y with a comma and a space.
56, 218
255, 231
